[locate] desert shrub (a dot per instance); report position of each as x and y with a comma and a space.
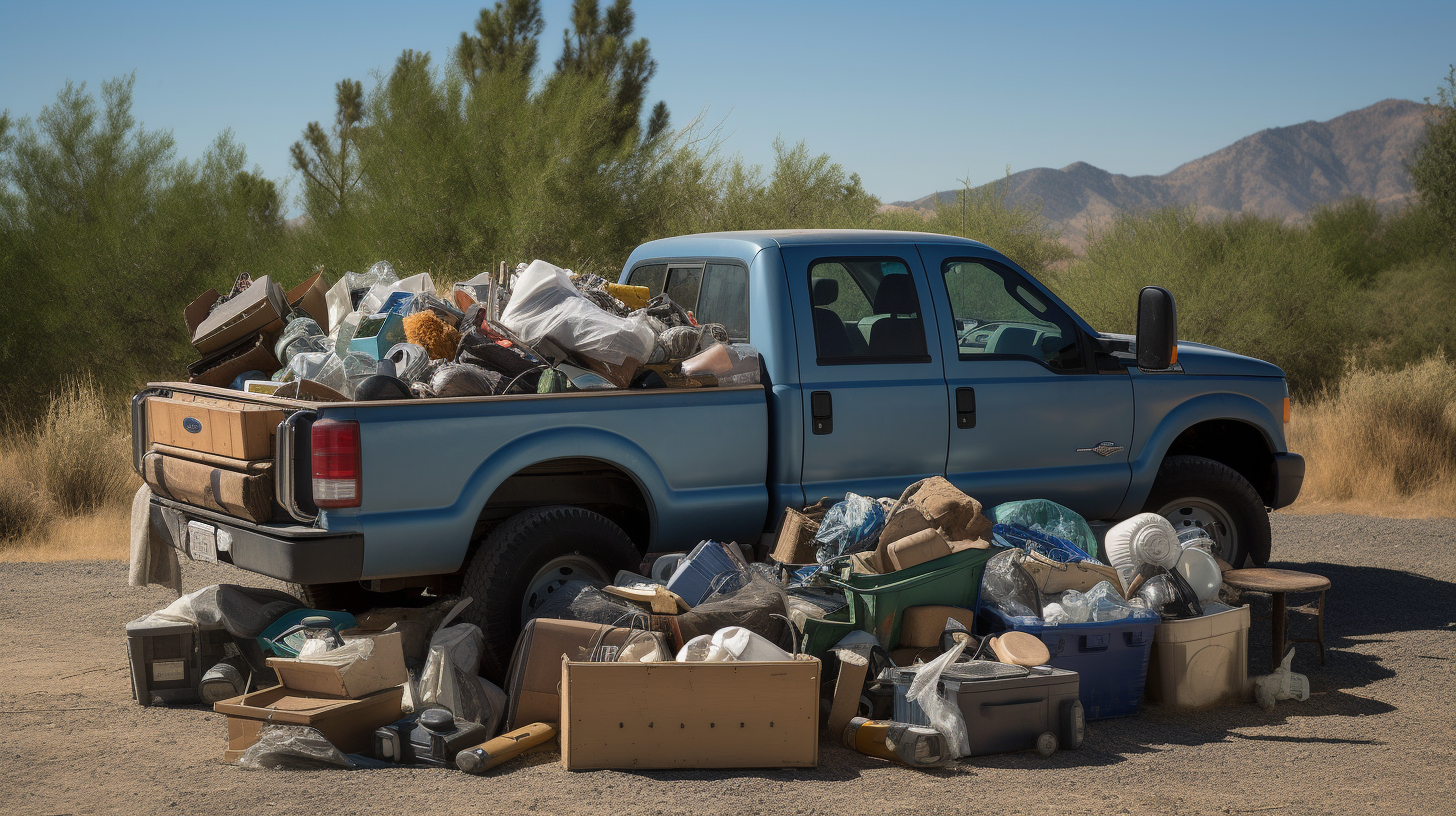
78, 454
1251, 285
22, 508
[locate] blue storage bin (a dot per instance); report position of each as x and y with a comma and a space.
1111, 657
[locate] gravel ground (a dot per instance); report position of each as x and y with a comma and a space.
1375, 736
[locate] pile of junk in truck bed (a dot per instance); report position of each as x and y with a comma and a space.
919, 629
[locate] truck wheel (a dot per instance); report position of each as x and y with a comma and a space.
353, 598
528, 557
1192, 491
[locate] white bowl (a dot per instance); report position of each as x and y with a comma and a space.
1201, 572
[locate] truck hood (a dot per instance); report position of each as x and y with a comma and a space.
1204, 360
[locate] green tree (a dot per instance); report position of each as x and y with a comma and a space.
597, 46
328, 161
506, 37
1433, 164
985, 214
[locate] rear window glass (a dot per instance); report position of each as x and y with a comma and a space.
713, 292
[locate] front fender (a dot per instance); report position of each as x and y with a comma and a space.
1148, 453
394, 538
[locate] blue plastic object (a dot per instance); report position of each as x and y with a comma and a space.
707, 569
1057, 549
377, 334
396, 303
289, 647
1111, 656
1048, 517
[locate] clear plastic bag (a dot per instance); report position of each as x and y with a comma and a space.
1108, 605
944, 714
545, 306
1077, 606
851, 526
293, 748
380, 292
300, 335
1008, 587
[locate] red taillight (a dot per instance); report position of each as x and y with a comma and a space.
336, 476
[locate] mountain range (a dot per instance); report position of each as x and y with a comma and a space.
1282, 172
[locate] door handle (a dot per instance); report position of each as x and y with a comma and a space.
965, 407
821, 411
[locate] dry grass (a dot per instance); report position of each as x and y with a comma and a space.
66, 480
102, 534
1383, 443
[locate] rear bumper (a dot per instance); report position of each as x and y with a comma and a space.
1288, 478
296, 554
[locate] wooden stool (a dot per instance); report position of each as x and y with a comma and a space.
1276, 583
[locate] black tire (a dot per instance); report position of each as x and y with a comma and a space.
1190, 488
510, 558
353, 598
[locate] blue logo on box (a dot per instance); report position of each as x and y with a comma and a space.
191, 425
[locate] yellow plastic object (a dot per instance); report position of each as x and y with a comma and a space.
1200, 661
635, 297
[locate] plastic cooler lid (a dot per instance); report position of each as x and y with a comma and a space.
973, 671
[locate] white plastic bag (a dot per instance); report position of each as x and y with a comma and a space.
1283, 684
544, 305
293, 748
944, 715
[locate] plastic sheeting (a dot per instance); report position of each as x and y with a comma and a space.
851, 526
293, 748
544, 305
1045, 516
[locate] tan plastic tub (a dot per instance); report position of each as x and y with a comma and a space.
1200, 661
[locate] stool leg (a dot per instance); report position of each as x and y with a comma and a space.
1277, 637
1320, 624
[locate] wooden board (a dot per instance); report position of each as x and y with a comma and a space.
237, 493
235, 430
690, 715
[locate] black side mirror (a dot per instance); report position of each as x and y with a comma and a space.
1157, 329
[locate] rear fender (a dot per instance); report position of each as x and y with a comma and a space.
437, 540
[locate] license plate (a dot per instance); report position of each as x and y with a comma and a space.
202, 541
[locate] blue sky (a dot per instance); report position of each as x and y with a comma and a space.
912, 96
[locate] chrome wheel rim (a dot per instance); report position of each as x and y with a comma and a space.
1188, 513
554, 574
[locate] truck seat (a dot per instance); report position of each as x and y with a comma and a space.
902, 334
831, 338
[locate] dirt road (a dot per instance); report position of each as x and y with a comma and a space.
1375, 737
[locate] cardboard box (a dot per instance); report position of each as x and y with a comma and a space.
311, 298
355, 680
348, 724
235, 430
252, 311
533, 681
253, 353
690, 715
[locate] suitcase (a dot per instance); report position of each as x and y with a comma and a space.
1006, 708
246, 492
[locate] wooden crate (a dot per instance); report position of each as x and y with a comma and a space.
234, 430
690, 715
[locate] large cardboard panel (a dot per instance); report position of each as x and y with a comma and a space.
253, 353
311, 298
690, 715
535, 672
232, 430
348, 724
359, 678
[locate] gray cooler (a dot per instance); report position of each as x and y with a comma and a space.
1006, 708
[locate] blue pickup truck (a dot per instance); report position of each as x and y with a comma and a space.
886, 357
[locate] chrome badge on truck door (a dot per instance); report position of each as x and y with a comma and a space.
1103, 449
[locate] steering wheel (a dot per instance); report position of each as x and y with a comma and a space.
967, 335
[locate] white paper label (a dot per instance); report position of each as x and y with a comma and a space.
169, 670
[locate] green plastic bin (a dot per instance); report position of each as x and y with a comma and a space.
876, 602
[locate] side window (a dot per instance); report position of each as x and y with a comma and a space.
996, 313
653, 276
713, 292
724, 298
866, 311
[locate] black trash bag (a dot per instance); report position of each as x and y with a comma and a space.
514, 364
753, 606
